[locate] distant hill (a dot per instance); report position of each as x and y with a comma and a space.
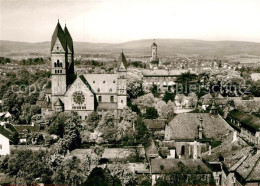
166, 47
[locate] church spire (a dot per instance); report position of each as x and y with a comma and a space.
121, 62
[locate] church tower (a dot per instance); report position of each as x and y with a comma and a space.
121, 81
70, 51
154, 59
58, 62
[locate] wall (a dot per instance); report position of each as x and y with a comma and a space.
5, 145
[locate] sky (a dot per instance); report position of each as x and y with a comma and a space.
115, 21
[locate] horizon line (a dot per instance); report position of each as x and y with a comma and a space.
246, 41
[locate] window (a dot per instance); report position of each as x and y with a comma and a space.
114, 81
60, 64
55, 64
86, 117
98, 90
182, 150
60, 71
80, 117
110, 90
122, 101
57, 47
93, 81
112, 99
104, 81
99, 99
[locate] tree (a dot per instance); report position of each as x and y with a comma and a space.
168, 110
151, 113
102, 177
134, 85
69, 172
92, 121
168, 96
143, 134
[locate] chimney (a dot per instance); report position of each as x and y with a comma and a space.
200, 128
214, 109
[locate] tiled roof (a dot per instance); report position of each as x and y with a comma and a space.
154, 123
151, 73
163, 165
105, 83
151, 150
249, 168
185, 126
58, 33
246, 119
118, 153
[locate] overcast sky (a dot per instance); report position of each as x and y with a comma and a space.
123, 20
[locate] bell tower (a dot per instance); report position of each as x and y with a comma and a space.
59, 62
154, 61
121, 81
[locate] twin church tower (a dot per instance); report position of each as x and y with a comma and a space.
87, 92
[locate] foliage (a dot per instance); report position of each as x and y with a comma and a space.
155, 91
28, 165
69, 172
134, 85
151, 113
184, 176
168, 96
102, 177
92, 121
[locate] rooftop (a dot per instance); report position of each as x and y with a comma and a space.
185, 126
163, 165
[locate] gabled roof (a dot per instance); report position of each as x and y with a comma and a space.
246, 119
58, 103
159, 165
86, 83
121, 59
185, 126
58, 33
68, 39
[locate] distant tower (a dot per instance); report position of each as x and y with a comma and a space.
154, 59
59, 62
121, 81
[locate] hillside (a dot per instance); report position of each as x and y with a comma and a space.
167, 47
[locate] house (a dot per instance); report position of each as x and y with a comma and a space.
240, 163
190, 134
156, 126
255, 76
24, 130
4, 143
161, 167
248, 126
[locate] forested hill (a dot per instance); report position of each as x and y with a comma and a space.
166, 47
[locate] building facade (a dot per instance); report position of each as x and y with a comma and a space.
83, 93
4, 145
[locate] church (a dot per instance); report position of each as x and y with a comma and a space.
82, 93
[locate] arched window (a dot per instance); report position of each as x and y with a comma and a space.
182, 150
60, 71
55, 71
122, 101
99, 99
55, 64
60, 64
98, 90
112, 99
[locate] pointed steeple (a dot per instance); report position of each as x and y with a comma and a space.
58, 33
154, 44
121, 62
68, 39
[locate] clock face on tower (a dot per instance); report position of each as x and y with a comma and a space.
78, 97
